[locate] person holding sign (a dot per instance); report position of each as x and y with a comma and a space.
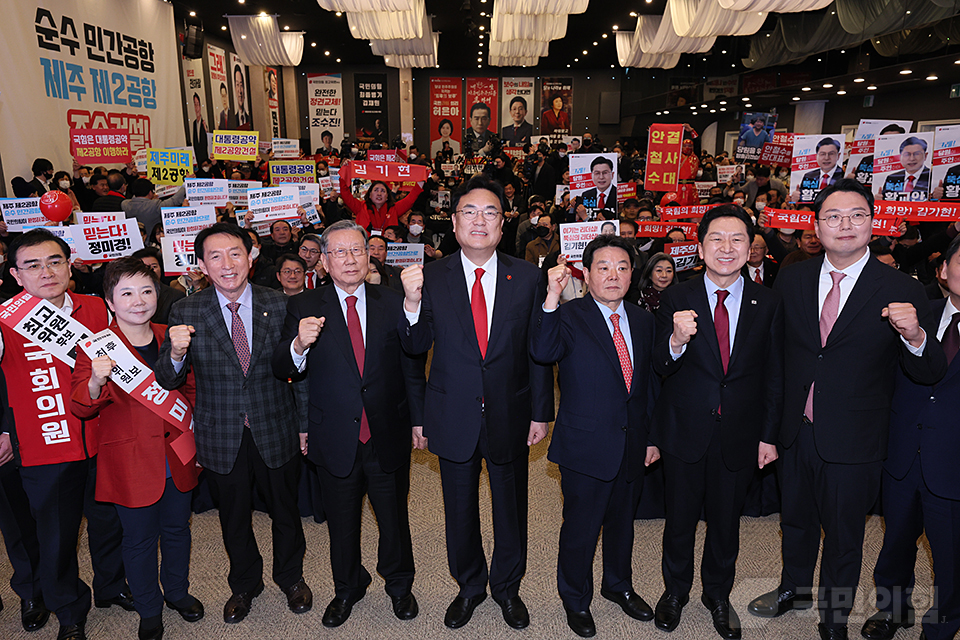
376, 211
713, 441
135, 442
913, 181
604, 349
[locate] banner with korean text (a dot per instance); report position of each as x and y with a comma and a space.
234, 145
96, 146
178, 255
663, 157
446, 115
106, 241
324, 108
484, 91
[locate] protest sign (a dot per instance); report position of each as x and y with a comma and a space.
663, 157
575, 236
179, 221
274, 203
207, 191
235, 145
21, 212
178, 255
400, 254
100, 146
106, 241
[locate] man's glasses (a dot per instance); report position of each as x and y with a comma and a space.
835, 219
471, 213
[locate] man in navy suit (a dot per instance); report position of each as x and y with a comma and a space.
603, 348
485, 400
921, 483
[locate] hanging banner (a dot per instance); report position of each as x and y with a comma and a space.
234, 145
446, 115
756, 129
946, 164
661, 229
325, 108
183, 221
106, 241
919, 211
815, 164
593, 179
195, 96
241, 97
100, 146
178, 255
292, 171
682, 213
717, 88
272, 88
556, 102
883, 224
371, 109
220, 89
663, 157
22, 212
515, 112
481, 100
901, 167
387, 171
860, 165
86, 64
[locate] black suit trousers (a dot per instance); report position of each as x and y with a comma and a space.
19, 531
837, 497
909, 510
706, 485
233, 494
590, 504
461, 508
343, 505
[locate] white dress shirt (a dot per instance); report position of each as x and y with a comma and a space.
246, 316
361, 295
945, 318
488, 283
731, 304
623, 321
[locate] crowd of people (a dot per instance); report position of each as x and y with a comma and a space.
828, 352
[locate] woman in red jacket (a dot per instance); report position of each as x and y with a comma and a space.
375, 212
138, 468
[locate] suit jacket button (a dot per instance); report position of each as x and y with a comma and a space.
723, 385
363, 389
624, 428
933, 399
356, 419
713, 412
820, 357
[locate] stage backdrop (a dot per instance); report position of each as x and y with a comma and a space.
86, 64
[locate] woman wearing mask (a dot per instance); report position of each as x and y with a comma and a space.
61, 182
657, 276
376, 212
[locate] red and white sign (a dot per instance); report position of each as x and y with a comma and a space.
485, 90
684, 254
90, 146
178, 255
382, 155
679, 213
96, 218
663, 157
661, 229
446, 114
919, 211
387, 171
779, 152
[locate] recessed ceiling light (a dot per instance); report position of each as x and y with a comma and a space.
481, 27
871, 87
313, 44
748, 105
481, 36
193, 14
905, 72
479, 59
723, 102
693, 106
223, 28
666, 113
713, 110
568, 66
956, 62
615, 27
286, 28
828, 85
659, 113
338, 60
723, 108
932, 77
805, 89
241, 1
859, 80
724, 51
745, 99
695, 113
595, 44
263, 14
633, 14
584, 52
796, 98
243, 36
479, 66
841, 92
605, 35
703, 106
576, 59
338, 14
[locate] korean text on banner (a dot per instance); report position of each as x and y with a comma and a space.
107, 241
574, 237
661, 229
178, 255
679, 213
168, 166
235, 145
663, 157
484, 91
309, 195
787, 219
21, 212
387, 171
400, 254
95, 146
919, 211
274, 203
207, 191
292, 171
237, 191
44, 325
285, 148
779, 152
324, 107
179, 221
946, 163
446, 115
684, 254
96, 218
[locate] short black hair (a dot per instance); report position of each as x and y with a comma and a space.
223, 87
724, 211
603, 241
142, 187
601, 160
761, 172
913, 140
309, 237
33, 238
845, 185
148, 252
632, 223
478, 181
221, 228
291, 257
116, 181
519, 99
443, 122
126, 267
826, 141
479, 105
274, 223
41, 165
951, 250
326, 134
892, 128
608, 222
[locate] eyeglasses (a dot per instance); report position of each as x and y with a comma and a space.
833, 220
341, 253
292, 272
309, 251
35, 268
471, 213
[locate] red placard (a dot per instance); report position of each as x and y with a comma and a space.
678, 213
919, 211
445, 104
661, 229
778, 153
387, 171
626, 190
487, 91
663, 157
90, 146
787, 219
684, 254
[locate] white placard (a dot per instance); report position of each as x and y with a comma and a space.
107, 241
946, 162
575, 236
860, 165
286, 149
96, 218
309, 194
401, 254
901, 167
180, 221
237, 191
178, 256
21, 212
202, 191
274, 203
815, 156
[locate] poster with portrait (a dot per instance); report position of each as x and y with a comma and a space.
556, 102
370, 107
756, 129
901, 167
193, 91
860, 165
946, 163
485, 92
593, 178
241, 95
517, 111
271, 87
446, 116
224, 116
815, 164
325, 107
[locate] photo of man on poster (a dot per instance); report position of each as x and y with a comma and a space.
244, 121
519, 132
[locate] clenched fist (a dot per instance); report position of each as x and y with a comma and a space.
684, 328
412, 279
101, 368
307, 334
557, 279
180, 336
903, 318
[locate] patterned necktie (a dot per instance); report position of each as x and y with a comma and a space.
721, 322
478, 305
359, 352
757, 277
622, 352
239, 336
601, 201
951, 338
828, 317
909, 186
824, 181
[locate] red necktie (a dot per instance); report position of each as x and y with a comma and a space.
310, 276
721, 322
622, 352
828, 317
756, 276
239, 335
951, 338
478, 305
824, 181
909, 186
602, 200
356, 339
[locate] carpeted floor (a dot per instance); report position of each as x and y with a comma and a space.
757, 571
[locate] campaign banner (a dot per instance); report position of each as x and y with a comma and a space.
309, 194
946, 163
901, 167
237, 191
703, 189
271, 87
556, 104
235, 145
45, 326
97, 146
387, 171
292, 171
219, 86
285, 148
484, 91
661, 229
731, 174
168, 166
815, 164
756, 130
722, 87
440, 199
370, 104
207, 191
919, 211
382, 155
274, 203
241, 94
663, 157
178, 255
328, 186
575, 236
779, 152
22, 212
446, 115
518, 104
593, 179
684, 254
679, 213
196, 97
860, 164
325, 107
180, 221
787, 219
401, 254
625, 191
106, 241
449, 169
84, 217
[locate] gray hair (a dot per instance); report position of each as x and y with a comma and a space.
340, 225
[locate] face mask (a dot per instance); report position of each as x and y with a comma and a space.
534, 219
354, 150
48, 174
587, 143
323, 172
254, 253
416, 229
760, 206
205, 168
86, 179
64, 184
413, 156
738, 201
563, 154
699, 173
542, 232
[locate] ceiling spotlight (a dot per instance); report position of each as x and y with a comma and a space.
649, 1
633, 14
568, 66
313, 44
841, 92
871, 87
954, 62
796, 98
611, 66
595, 43
703, 106
859, 80
241, 1
338, 60
479, 59
724, 51
584, 52
479, 66
666, 113
693, 106
723, 108
223, 28
483, 14
713, 110
805, 89
481, 36
605, 35
615, 27
481, 27
576, 59
932, 77
286, 28
193, 14
263, 14
338, 13
905, 72
326, 53
695, 113
723, 102
243, 36
745, 99
659, 113
734, 66
828, 85
748, 105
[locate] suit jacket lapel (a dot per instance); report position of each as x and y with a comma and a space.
457, 289
601, 333
261, 326
503, 301
212, 314
336, 324
867, 285
375, 317
810, 297
700, 303
931, 327
748, 311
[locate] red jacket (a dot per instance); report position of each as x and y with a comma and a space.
381, 218
134, 441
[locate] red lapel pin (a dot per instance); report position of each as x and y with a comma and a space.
509, 277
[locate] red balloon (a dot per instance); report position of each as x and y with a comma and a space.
56, 205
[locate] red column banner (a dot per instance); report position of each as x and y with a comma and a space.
446, 114
487, 91
661, 229
387, 171
663, 157
919, 211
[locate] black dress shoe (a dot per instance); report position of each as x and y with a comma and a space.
581, 622
725, 619
73, 631
832, 633
883, 625
299, 597
190, 613
238, 606
515, 613
632, 604
33, 614
668, 611
124, 600
338, 611
778, 602
156, 633
405, 607
461, 610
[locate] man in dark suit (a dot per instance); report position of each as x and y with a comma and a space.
520, 132
600, 437
759, 268
485, 400
199, 127
912, 183
366, 394
604, 194
826, 174
544, 181
921, 483
245, 419
851, 321
722, 335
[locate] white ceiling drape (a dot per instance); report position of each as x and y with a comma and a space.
366, 5
629, 55
704, 18
422, 46
780, 6
655, 34
387, 25
519, 48
415, 61
542, 7
259, 41
525, 26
